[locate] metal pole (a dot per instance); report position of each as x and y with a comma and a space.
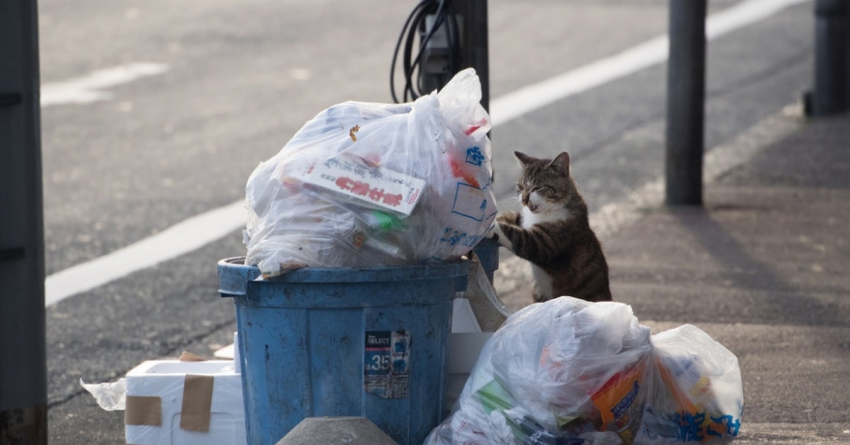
685, 102
23, 373
832, 58
435, 69
474, 43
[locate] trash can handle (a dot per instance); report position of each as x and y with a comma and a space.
234, 277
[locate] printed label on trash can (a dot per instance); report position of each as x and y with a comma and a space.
387, 364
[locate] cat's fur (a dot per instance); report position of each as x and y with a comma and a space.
553, 233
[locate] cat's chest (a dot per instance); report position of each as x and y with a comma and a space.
530, 219
543, 281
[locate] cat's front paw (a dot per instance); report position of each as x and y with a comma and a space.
496, 234
510, 218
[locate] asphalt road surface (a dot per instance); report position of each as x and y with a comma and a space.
155, 112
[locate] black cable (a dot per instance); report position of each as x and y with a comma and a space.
398, 44
415, 26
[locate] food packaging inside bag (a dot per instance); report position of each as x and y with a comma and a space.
367, 184
573, 372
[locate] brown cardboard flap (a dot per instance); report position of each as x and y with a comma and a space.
187, 356
143, 410
197, 402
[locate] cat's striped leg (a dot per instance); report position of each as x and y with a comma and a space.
497, 233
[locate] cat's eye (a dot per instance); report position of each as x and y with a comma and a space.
519, 187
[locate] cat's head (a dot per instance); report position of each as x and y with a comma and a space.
544, 185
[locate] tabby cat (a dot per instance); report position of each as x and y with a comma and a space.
553, 232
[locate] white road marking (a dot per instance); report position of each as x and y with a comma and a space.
215, 224
652, 52
90, 88
177, 240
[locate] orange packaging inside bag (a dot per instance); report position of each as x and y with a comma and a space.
618, 402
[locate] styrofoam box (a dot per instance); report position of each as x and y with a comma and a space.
164, 378
465, 343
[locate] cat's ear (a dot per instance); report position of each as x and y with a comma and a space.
523, 158
562, 163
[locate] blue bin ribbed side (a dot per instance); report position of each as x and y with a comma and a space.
303, 345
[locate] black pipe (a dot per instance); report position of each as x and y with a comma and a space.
685, 102
23, 369
831, 93
474, 51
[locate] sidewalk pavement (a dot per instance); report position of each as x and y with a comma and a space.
763, 267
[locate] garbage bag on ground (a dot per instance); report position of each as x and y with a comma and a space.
573, 372
365, 184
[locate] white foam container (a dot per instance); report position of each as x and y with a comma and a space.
164, 379
465, 343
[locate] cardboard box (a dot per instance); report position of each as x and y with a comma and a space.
182, 402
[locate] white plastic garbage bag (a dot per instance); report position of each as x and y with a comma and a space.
697, 393
365, 184
573, 372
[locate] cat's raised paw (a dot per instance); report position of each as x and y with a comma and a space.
498, 235
511, 218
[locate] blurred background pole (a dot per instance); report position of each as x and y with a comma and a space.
474, 43
832, 58
435, 69
23, 373
685, 102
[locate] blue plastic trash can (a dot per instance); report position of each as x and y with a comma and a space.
368, 342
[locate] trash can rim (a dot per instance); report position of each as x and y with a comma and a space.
442, 270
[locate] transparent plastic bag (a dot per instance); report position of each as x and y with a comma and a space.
698, 392
573, 372
548, 373
366, 184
